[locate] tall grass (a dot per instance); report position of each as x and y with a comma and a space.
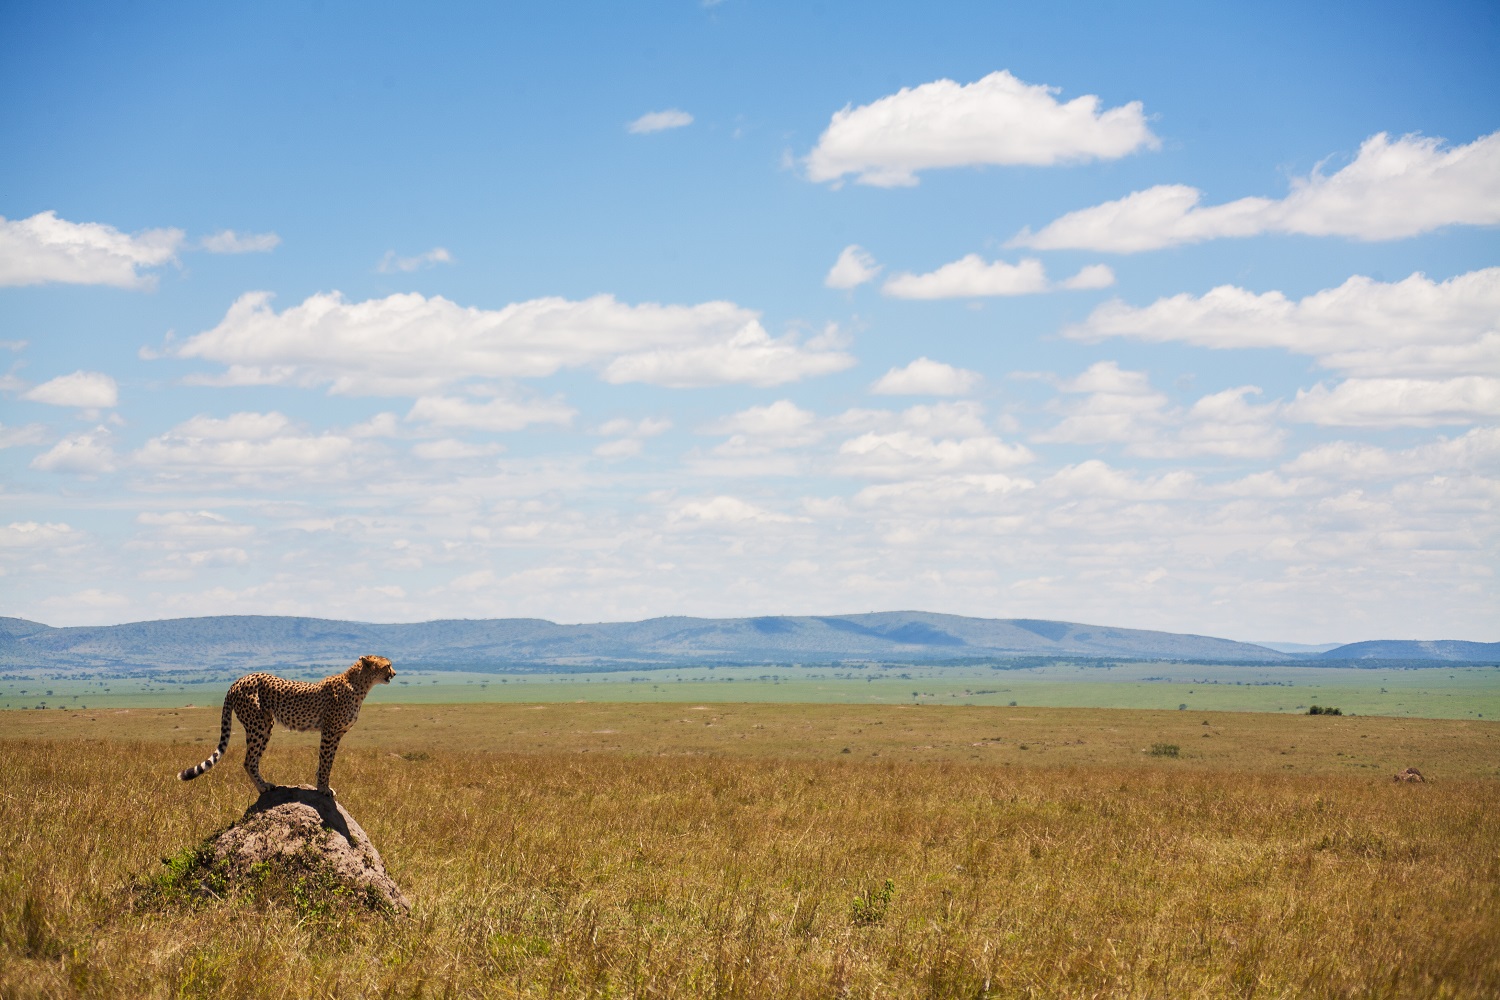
570, 875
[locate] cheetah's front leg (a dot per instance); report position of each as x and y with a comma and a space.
326, 750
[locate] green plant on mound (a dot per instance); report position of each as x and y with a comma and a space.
1319, 710
303, 882
1166, 750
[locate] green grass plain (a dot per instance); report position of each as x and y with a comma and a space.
744, 850
1444, 692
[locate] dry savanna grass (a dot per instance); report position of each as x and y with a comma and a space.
738, 851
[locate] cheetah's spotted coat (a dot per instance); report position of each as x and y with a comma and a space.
331, 705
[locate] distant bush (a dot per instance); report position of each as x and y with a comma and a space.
1166, 750
1317, 710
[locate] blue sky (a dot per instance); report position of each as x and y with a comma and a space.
1179, 317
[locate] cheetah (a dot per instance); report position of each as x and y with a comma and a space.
331, 705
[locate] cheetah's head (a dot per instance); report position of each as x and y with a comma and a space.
378, 667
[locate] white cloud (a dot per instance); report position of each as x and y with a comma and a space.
35, 534
1470, 453
1089, 277
391, 264
1121, 407
407, 344
995, 120
245, 442
1362, 327
631, 435
973, 277
760, 430
970, 276
449, 450
781, 419
86, 454
85, 390
499, 414
229, 241
45, 249
1399, 402
659, 121
853, 268
17, 437
1224, 423
905, 454
1097, 480
925, 377
750, 356
725, 510
1392, 189
625, 427
944, 494
194, 525
953, 419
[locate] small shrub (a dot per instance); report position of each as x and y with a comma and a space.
1166, 750
869, 907
1318, 710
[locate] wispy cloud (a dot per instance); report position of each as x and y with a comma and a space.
659, 121
392, 264
229, 241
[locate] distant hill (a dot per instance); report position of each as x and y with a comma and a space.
1454, 650
255, 642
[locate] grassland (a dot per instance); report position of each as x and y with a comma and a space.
763, 850
1443, 692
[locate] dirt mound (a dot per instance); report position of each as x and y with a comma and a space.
295, 844
1410, 774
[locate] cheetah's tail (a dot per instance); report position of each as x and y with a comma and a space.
213, 759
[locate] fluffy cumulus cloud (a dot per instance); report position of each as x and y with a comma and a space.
411, 345
229, 241
925, 377
973, 277
1392, 189
84, 390
659, 121
853, 268
45, 249
997, 120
